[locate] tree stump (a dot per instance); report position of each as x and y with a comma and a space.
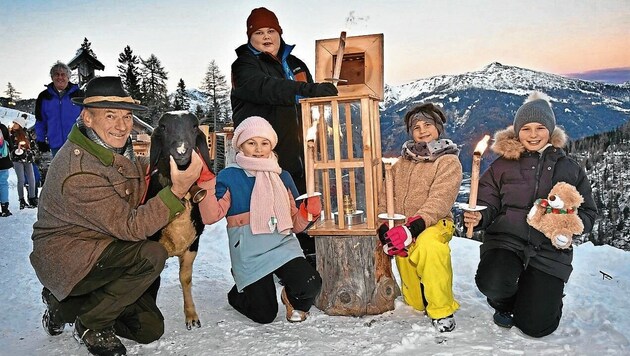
357, 276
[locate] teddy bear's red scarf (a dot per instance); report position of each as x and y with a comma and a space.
549, 210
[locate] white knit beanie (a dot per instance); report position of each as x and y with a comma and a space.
21, 120
254, 126
537, 108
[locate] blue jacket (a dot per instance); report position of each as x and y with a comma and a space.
55, 115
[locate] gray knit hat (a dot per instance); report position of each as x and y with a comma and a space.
536, 108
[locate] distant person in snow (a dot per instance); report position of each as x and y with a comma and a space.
55, 112
427, 178
22, 157
5, 165
90, 247
257, 197
520, 272
268, 81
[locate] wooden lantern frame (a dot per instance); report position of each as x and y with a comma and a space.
369, 161
362, 64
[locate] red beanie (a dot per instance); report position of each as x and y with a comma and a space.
261, 17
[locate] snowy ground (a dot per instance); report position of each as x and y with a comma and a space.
596, 318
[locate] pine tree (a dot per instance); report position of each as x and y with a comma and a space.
130, 73
215, 86
200, 114
12, 94
154, 79
181, 101
87, 46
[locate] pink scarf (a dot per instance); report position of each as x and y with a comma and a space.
269, 206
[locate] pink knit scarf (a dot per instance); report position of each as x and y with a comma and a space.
269, 205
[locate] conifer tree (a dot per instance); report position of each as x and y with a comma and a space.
216, 87
154, 78
86, 45
130, 73
181, 101
12, 94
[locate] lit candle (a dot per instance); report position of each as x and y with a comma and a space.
311, 136
389, 188
474, 179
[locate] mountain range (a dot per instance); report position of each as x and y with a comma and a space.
485, 101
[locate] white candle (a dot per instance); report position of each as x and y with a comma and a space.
474, 178
389, 188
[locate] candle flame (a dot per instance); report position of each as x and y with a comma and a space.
389, 160
482, 145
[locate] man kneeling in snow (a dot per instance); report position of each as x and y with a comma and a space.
90, 247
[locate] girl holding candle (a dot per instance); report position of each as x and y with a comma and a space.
520, 272
257, 198
426, 181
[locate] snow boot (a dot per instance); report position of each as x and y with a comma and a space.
293, 315
49, 322
99, 342
23, 204
5, 210
32, 202
444, 325
503, 319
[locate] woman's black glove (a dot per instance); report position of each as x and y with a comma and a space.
318, 89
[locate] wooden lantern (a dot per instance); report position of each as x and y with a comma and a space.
357, 276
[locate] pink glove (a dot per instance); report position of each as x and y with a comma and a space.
397, 239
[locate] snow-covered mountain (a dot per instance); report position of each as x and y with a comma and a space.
484, 101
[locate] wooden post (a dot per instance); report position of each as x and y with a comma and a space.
357, 276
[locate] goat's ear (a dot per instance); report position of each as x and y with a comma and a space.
202, 147
156, 148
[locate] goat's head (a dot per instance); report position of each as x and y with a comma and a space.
177, 134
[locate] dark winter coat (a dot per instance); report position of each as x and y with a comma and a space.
55, 115
509, 188
91, 197
5, 162
261, 88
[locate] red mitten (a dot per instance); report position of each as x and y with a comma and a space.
311, 205
206, 174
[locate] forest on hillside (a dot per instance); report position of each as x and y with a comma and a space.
606, 158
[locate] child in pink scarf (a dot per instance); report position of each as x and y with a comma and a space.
257, 198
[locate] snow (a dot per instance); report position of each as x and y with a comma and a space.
596, 319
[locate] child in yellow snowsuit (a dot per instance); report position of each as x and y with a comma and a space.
427, 178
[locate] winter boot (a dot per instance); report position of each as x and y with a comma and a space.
32, 202
49, 320
99, 342
444, 325
5, 210
23, 204
503, 319
293, 315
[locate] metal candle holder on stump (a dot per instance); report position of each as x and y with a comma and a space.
345, 162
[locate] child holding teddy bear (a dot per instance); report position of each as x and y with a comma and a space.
521, 272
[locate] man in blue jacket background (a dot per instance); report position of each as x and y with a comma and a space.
54, 110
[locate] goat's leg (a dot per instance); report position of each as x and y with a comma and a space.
185, 278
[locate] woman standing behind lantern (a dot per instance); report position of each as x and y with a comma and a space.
268, 81
426, 182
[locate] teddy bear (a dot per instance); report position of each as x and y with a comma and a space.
556, 217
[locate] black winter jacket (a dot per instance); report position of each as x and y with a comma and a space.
509, 189
260, 88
